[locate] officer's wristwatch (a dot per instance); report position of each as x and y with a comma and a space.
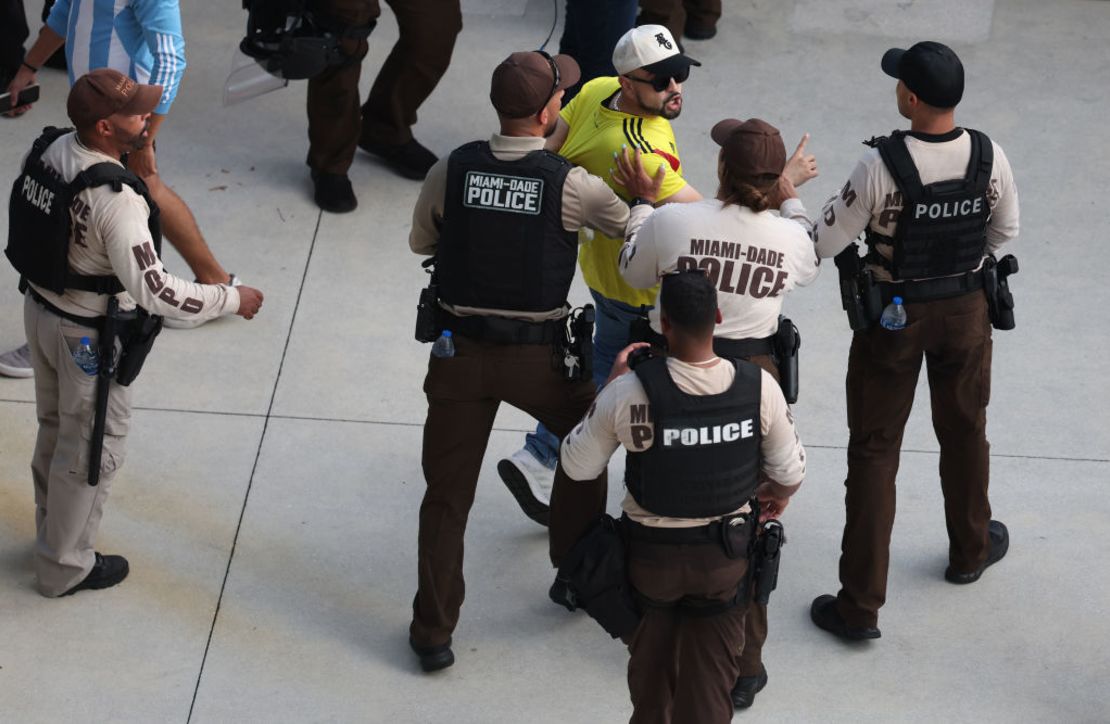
637, 201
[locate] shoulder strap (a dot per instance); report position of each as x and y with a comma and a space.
898, 161
47, 137
981, 164
111, 174
552, 161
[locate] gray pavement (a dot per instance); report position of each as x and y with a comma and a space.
268, 505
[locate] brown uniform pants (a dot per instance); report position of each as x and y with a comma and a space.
954, 337
682, 666
67, 508
675, 14
408, 76
464, 393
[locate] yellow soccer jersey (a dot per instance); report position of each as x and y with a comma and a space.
596, 131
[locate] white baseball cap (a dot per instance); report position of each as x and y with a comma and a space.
653, 48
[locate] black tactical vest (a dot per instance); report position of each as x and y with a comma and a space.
942, 228
704, 456
40, 223
502, 245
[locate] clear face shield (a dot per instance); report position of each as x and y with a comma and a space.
249, 79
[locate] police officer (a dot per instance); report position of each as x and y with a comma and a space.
754, 258
935, 201
701, 432
108, 258
502, 219
382, 126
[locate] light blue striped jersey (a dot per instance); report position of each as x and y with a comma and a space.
140, 38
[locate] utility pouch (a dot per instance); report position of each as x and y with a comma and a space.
573, 352
765, 559
594, 577
1000, 302
137, 338
736, 533
427, 322
787, 342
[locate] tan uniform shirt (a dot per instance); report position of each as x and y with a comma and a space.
871, 198
754, 259
621, 416
587, 202
110, 236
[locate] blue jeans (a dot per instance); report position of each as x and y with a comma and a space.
612, 324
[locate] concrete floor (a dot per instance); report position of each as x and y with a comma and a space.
268, 505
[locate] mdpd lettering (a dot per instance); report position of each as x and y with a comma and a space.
503, 193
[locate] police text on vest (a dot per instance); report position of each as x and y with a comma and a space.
710, 435
496, 192
948, 209
38, 195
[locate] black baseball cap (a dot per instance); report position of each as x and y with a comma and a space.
931, 70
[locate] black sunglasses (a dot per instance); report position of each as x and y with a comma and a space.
554, 72
661, 83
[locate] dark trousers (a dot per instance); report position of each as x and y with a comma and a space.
464, 393
677, 14
410, 73
954, 337
683, 666
13, 33
590, 33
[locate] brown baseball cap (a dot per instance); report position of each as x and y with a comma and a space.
525, 81
752, 149
104, 92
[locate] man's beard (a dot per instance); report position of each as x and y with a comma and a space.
664, 112
134, 142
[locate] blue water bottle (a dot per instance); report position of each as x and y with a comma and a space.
894, 316
444, 346
86, 357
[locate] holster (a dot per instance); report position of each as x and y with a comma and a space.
787, 342
859, 294
765, 559
137, 337
594, 577
427, 308
1000, 302
573, 350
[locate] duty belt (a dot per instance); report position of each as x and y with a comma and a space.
94, 322
501, 330
742, 348
927, 290
710, 533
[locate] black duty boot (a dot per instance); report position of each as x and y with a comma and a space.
410, 159
433, 658
824, 614
1000, 543
105, 573
334, 192
743, 694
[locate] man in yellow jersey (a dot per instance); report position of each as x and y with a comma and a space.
632, 110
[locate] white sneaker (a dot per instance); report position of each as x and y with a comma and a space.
173, 323
17, 363
530, 483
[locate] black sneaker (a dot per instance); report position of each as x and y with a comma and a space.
410, 160
743, 694
824, 614
105, 573
334, 192
433, 658
1000, 543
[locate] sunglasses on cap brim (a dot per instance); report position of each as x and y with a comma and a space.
661, 83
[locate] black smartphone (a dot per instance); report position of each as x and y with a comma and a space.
30, 94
